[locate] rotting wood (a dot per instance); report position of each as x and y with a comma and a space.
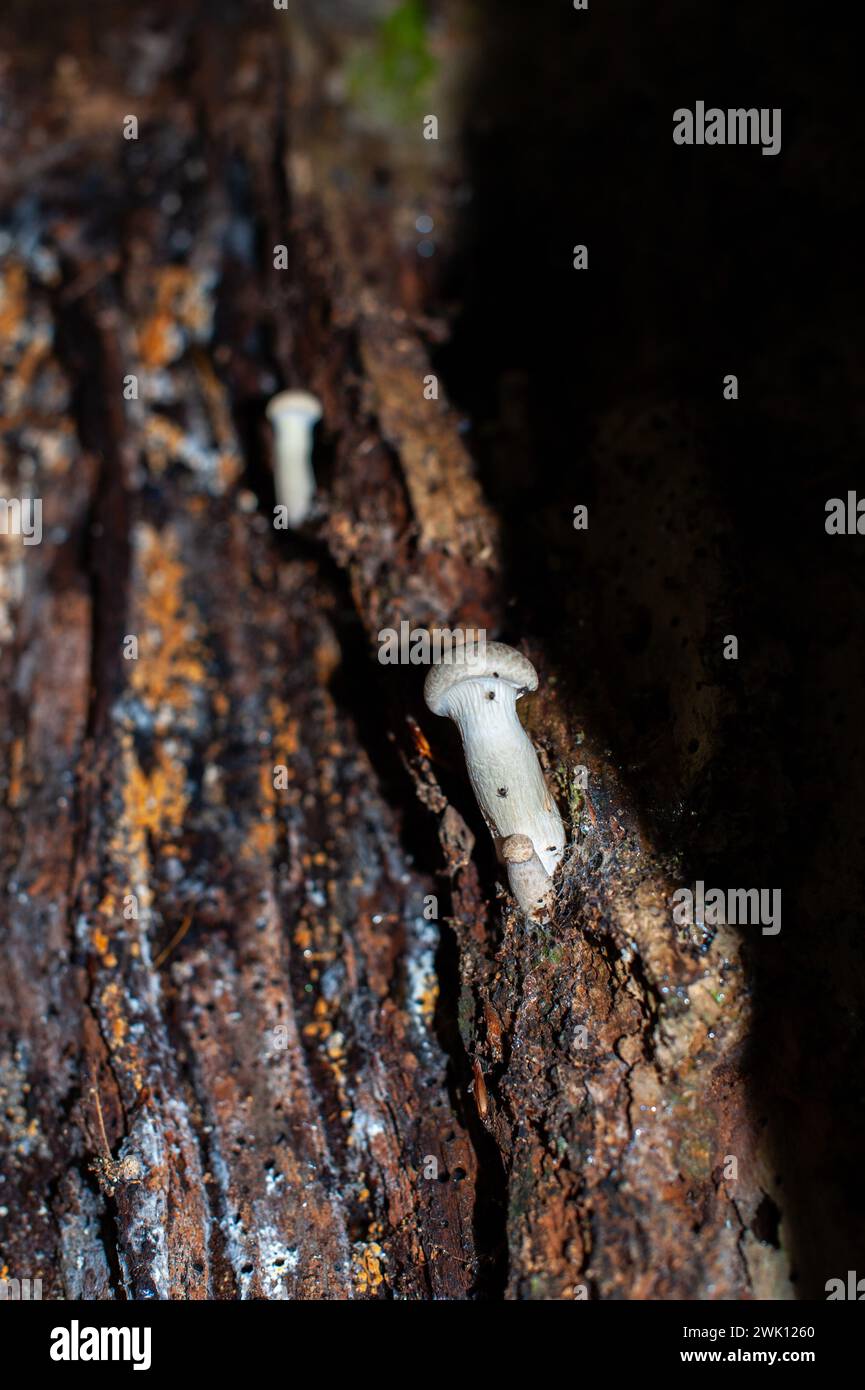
265, 1037
611, 1078
271, 1067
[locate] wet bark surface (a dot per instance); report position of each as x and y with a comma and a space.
270, 1025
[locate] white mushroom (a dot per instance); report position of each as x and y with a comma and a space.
480, 694
530, 883
294, 415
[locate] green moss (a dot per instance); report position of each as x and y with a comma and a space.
465, 1016
388, 76
568, 788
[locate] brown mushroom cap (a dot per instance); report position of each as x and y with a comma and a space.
499, 662
517, 849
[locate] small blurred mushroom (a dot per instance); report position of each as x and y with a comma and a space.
294, 415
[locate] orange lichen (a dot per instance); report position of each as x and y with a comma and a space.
111, 1001
289, 741
321, 1027
33, 355
13, 301
326, 658
229, 460
429, 997
159, 340
170, 670
16, 763
260, 840
155, 801
177, 295
163, 441
420, 742
366, 1259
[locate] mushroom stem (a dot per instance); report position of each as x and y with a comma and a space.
294, 415
294, 480
480, 695
530, 883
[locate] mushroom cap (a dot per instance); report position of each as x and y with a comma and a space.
499, 662
301, 403
517, 849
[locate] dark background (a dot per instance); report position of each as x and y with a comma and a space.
706, 516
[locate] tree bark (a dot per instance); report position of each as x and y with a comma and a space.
241, 1055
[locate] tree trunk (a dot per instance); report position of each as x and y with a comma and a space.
271, 1025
